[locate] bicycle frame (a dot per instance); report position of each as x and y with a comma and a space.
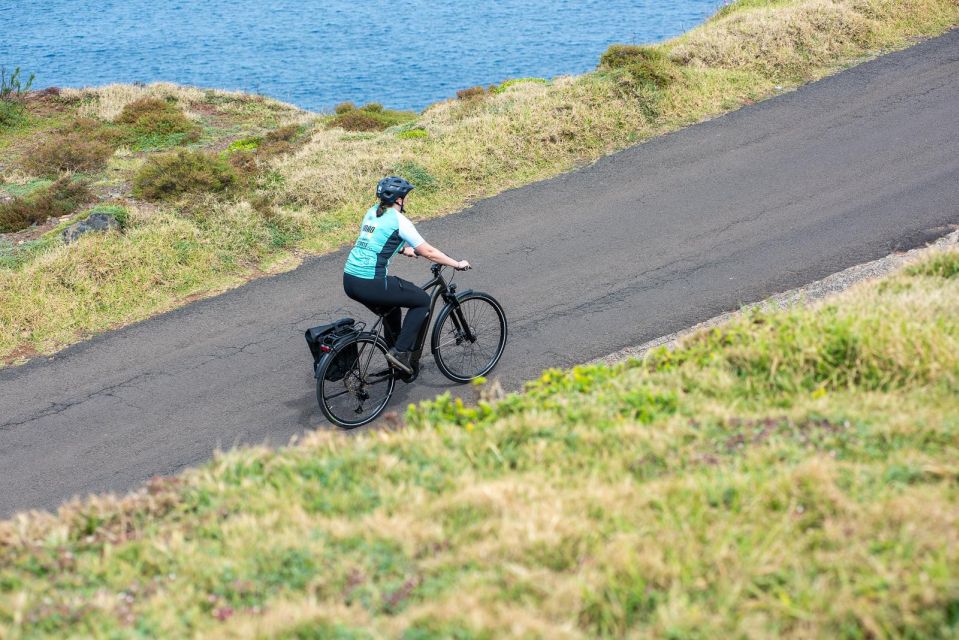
439, 289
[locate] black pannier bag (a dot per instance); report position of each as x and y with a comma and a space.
328, 335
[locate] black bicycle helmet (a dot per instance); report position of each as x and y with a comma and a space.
392, 187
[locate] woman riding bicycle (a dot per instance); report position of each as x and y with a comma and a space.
384, 232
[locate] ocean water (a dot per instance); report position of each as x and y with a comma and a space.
405, 54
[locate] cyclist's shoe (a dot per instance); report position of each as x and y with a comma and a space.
401, 360
416, 373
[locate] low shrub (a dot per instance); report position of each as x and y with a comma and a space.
164, 124
156, 123
279, 141
274, 143
618, 56
13, 92
172, 175
94, 129
357, 120
143, 107
18, 214
67, 151
642, 65
48, 92
371, 117
344, 107
11, 115
244, 162
276, 148
473, 93
60, 198
285, 134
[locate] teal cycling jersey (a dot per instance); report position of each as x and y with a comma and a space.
379, 240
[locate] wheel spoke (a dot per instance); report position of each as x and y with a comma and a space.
466, 358
336, 395
358, 397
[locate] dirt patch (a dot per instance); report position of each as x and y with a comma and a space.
19, 355
32, 233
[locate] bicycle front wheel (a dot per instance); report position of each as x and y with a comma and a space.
354, 382
469, 337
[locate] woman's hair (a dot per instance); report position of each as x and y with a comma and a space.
380, 210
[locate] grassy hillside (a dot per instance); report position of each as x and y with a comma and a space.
792, 473
216, 187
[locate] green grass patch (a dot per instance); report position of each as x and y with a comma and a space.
246, 144
943, 265
25, 189
765, 487
503, 86
412, 134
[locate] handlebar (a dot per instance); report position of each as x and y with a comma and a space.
436, 268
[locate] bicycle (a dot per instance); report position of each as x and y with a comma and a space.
354, 380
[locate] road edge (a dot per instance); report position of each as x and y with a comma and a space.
806, 295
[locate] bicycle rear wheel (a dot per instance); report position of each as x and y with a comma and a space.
361, 385
468, 339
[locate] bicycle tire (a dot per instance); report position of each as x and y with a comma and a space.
477, 309
355, 382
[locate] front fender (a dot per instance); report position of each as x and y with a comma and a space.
459, 295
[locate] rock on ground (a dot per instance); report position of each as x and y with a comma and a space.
95, 222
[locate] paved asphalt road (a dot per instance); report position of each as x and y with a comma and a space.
639, 244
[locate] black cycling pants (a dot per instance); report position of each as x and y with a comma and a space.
380, 294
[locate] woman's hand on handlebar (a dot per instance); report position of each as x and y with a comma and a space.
409, 253
433, 254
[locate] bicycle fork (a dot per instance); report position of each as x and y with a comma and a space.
463, 330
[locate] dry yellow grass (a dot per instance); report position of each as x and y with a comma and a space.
107, 102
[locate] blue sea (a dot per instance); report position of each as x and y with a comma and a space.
405, 54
